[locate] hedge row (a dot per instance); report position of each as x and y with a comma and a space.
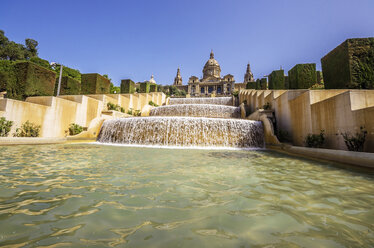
302, 76
69, 86
24, 79
144, 87
94, 83
277, 80
127, 86
153, 88
350, 65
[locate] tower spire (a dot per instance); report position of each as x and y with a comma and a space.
211, 54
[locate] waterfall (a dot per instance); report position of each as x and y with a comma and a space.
183, 131
202, 100
197, 110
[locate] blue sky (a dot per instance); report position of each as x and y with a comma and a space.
134, 39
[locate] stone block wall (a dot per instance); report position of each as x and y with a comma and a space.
302, 76
302, 112
350, 65
94, 83
127, 86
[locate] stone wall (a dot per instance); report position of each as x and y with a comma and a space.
55, 114
300, 112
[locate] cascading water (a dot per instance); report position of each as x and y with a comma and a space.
187, 122
202, 100
197, 110
183, 131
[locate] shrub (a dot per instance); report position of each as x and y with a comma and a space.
267, 106
75, 129
5, 127
129, 111
152, 103
28, 129
137, 113
315, 140
235, 93
355, 142
283, 136
116, 107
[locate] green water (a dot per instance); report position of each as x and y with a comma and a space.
89, 195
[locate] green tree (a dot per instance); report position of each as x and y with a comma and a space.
31, 47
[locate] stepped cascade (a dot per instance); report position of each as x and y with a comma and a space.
202, 100
197, 110
188, 122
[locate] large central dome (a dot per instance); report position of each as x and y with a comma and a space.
211, 70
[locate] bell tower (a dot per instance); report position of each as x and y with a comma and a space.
178, 78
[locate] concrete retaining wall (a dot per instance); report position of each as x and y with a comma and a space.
300, 112
55, 114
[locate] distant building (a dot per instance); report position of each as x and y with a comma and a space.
212, 82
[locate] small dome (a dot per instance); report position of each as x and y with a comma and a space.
211, 68
152, 80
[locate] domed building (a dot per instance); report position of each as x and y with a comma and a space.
211, 81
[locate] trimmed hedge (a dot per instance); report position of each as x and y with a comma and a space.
302, 76
24, 79
94, 83
153, 88
69, 86
144, 87
350, 65
263, 84
319, 77
7, 75
251, 85
277, 80
127, 86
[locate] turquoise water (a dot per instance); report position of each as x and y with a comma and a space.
106, 196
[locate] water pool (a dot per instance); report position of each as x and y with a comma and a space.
78, 195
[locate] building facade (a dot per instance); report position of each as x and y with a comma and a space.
210, 83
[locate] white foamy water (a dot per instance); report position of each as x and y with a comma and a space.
202, 100
183, 131
197, 110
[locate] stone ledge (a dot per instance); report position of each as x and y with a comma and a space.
363, 159
7, 141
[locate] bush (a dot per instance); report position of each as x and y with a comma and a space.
28, 129
355, 142
75, 129
283, 136
116, 107
5, 127
315, 140
152, 104
267, 106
